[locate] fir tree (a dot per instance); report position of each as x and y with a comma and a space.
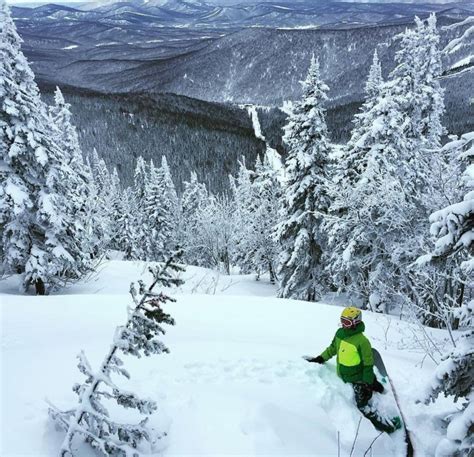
257, 197
353, 161
156, 216
244, 217
39, 235
367, 239
78, 185
127, 227
268, 192
170, 208
417, 85
142, 229
453, 228
192, 201
139, 336
214, 234
305, 200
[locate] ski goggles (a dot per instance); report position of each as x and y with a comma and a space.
348, 323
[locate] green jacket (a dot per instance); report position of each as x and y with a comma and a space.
355, 362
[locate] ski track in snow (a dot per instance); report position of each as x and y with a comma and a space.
234, 382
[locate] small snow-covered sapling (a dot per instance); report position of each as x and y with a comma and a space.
139, 336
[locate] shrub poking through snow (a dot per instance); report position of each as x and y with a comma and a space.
139, 336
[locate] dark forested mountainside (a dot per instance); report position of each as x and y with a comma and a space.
208, 138
194, 135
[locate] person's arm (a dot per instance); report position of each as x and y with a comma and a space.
367, 358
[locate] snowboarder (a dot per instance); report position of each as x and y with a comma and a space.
355, 364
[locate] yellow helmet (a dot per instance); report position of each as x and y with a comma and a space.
351, 316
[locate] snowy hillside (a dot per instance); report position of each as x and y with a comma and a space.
234, 382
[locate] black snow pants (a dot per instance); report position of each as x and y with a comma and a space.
363, 393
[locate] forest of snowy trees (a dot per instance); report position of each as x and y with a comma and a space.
386, 219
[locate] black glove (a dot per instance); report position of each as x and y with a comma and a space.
317, 359
377, 386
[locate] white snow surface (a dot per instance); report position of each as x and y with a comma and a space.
234, 382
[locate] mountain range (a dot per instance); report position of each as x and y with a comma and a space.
250, 53
199, 50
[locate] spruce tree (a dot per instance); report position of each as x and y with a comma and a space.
417, 84
170, 207
373, 237
453, 229
268, 192
156, 218
453, 225
139, 336
305, 200
78, 185
127, 238
214, 236
142, 230
192, 201
353, 161
245, 205
39, 235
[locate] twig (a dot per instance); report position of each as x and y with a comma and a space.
355, 438
372, 443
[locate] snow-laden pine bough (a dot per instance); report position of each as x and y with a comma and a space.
139, 336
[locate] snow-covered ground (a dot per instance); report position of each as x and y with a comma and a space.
234, 382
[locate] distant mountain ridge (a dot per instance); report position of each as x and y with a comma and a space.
253, 53
200, 14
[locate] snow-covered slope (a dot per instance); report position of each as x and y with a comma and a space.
234, 382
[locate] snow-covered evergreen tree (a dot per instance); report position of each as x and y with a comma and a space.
41, 239
193, 199
138, 198
171, 207
454, 377
139, 336
257, 196
194, 193
140, 179
374, 80
215, 231
372, 238
391, 176
417, 83
353, 160
158, 210
127, 238
245, 205
348, 170
78, 186
156, 218
440, 279
305, 200
453, 228
266, 185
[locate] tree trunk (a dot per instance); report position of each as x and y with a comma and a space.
272, 273
40, 287
460, 300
